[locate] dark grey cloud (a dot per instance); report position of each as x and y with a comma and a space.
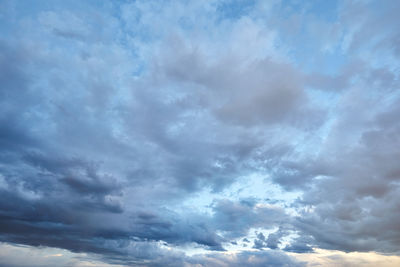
354, 204
259, 242
302, 244
262, 91
150, 254
275, 239
237, 218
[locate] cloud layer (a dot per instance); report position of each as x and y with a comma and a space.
225, 133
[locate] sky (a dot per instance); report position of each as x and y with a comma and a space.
199, 133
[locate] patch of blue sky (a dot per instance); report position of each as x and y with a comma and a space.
327, 101
324, 10
307, 57
233, 10
31, 7
309, 29
307, 54
256, 186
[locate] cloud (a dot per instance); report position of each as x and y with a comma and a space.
360, 186
237, 218
264, 258
115, 116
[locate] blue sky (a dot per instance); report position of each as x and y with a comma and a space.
199, 133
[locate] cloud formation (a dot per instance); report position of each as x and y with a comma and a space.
176, 133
